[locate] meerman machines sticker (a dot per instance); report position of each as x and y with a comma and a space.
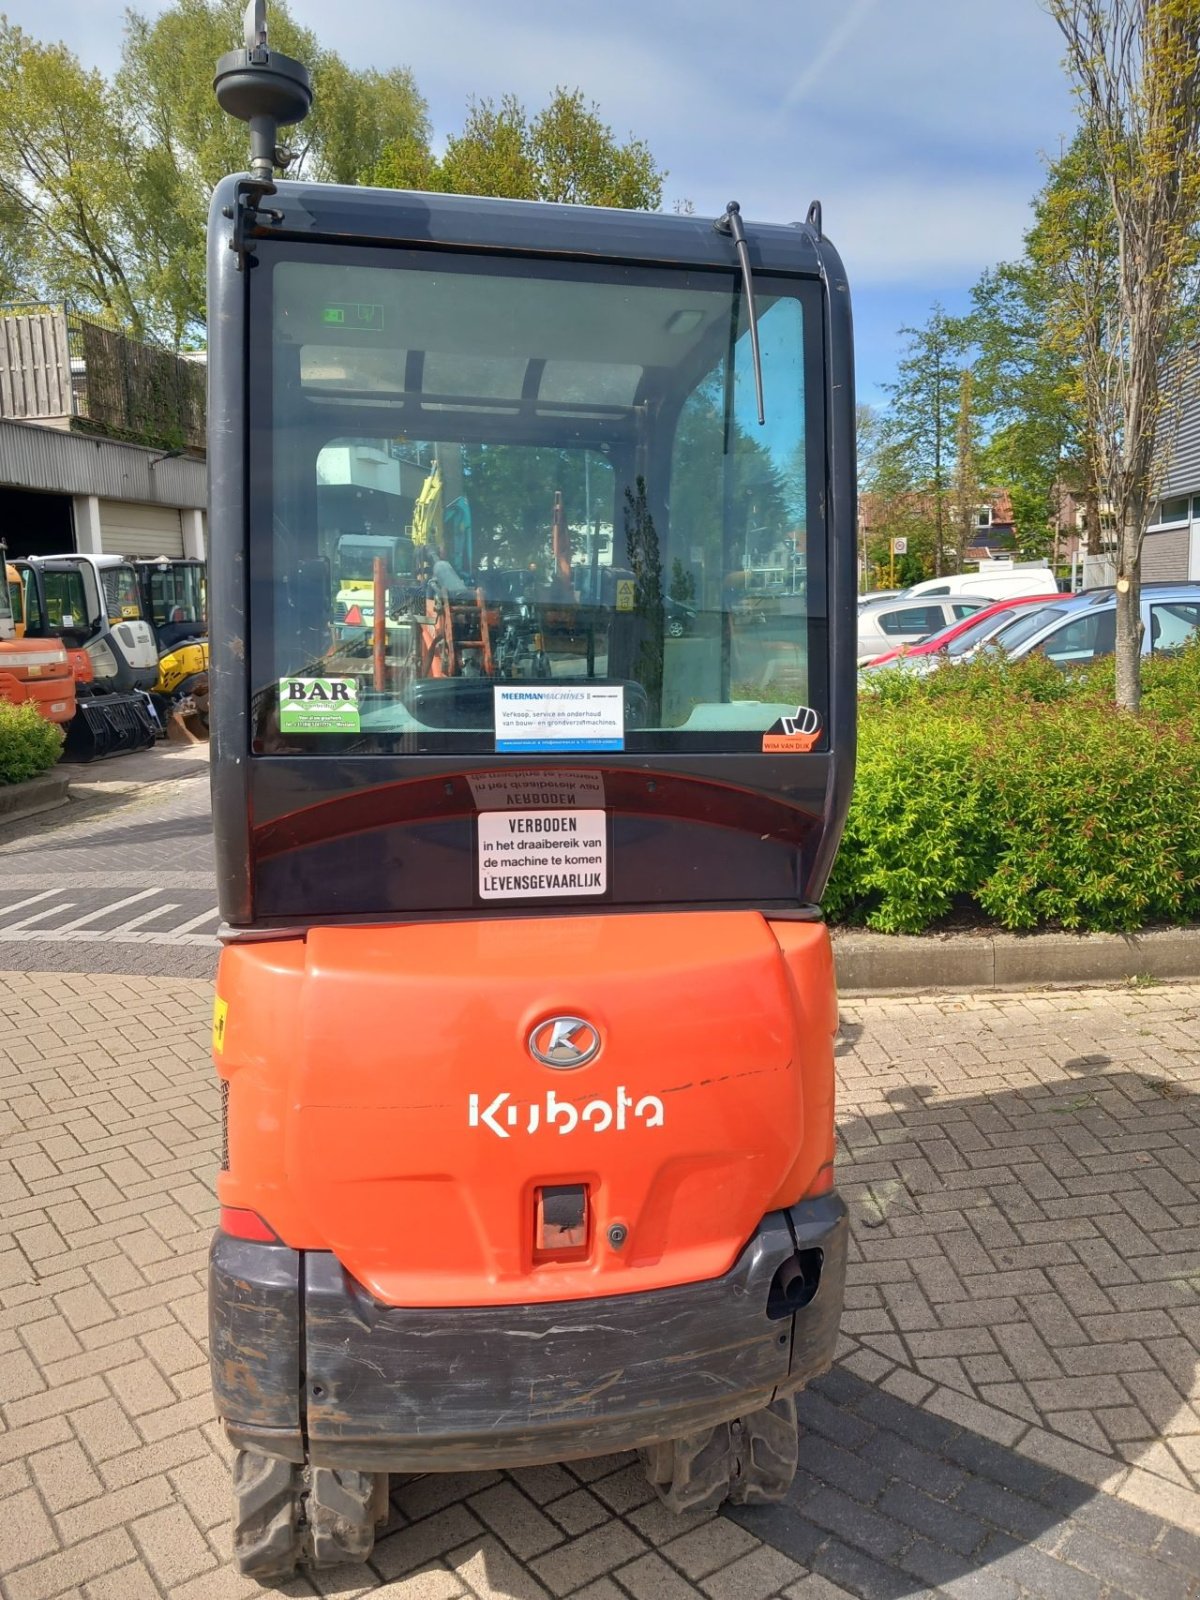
800, 732
318, 705
557, 717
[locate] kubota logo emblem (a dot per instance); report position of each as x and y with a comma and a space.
564, 1042
504, 1116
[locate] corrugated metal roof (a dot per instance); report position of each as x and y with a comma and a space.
34, 457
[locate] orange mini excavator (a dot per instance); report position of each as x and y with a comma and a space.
526, 1008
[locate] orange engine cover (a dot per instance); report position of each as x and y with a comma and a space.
384, 1102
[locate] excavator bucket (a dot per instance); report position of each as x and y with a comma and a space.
187, 722
109, 725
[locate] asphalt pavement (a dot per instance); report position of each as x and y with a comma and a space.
120, 879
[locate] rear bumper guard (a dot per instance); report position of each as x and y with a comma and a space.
303, 1356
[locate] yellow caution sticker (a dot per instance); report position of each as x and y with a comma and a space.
220, 1012
626, 594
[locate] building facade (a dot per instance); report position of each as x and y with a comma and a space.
1172, 547
101, 440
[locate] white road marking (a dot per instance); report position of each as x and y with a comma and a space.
32, 900
193, 922
146, 916
48, 911
114, 905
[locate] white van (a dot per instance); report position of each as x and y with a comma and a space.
999, 582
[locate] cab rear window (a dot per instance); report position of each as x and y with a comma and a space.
533, 509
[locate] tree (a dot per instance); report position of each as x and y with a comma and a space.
1136, 64
564, 153
1074, 252
890, 508
184, 142
64, 163
104, 186
920, 426
1023, 391
968, 489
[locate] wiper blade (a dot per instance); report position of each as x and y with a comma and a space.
731, 223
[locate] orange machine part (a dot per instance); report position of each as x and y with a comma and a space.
38, 671
384, 1103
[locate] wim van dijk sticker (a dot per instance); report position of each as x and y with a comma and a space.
220, 1013
798, 732
318, 705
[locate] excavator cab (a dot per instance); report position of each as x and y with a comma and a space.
174, 600
34, 671
90, 605
525, 1013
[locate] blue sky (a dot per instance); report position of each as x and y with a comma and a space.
920, 124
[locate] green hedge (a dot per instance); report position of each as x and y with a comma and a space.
28, 743
1025, 793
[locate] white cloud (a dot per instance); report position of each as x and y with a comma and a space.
917, 122
936, 236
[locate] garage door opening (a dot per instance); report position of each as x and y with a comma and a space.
33, 524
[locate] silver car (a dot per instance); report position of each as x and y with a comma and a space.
1082, 628
888, 624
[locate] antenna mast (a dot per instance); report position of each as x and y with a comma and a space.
264, 88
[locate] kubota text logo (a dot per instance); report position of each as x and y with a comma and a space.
505, 1113
564, 1042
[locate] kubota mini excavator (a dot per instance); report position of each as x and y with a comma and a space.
526, 1009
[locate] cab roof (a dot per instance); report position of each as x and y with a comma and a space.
344, 212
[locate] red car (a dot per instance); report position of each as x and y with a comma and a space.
980, 626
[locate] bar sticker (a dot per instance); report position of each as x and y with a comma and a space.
318, 705
529, 855
546, 718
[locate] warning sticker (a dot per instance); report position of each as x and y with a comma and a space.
798, 733
526, 855
318, 705
220, 1012
560, 717
626, 594
568, 789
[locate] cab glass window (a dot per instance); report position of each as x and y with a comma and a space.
1173, 624
1082, 639
913, 621
480, 483
121, 597
982, 629
66, 600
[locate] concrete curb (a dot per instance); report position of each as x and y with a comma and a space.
44, 793
876, 963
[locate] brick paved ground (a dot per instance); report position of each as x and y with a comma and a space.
1014, 1412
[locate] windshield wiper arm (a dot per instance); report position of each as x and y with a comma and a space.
731, 223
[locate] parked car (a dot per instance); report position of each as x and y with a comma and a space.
679, 617
885, 624
1083, 627
1001, 584
967, 632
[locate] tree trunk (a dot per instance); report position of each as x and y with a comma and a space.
1091, 521
1129, 617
